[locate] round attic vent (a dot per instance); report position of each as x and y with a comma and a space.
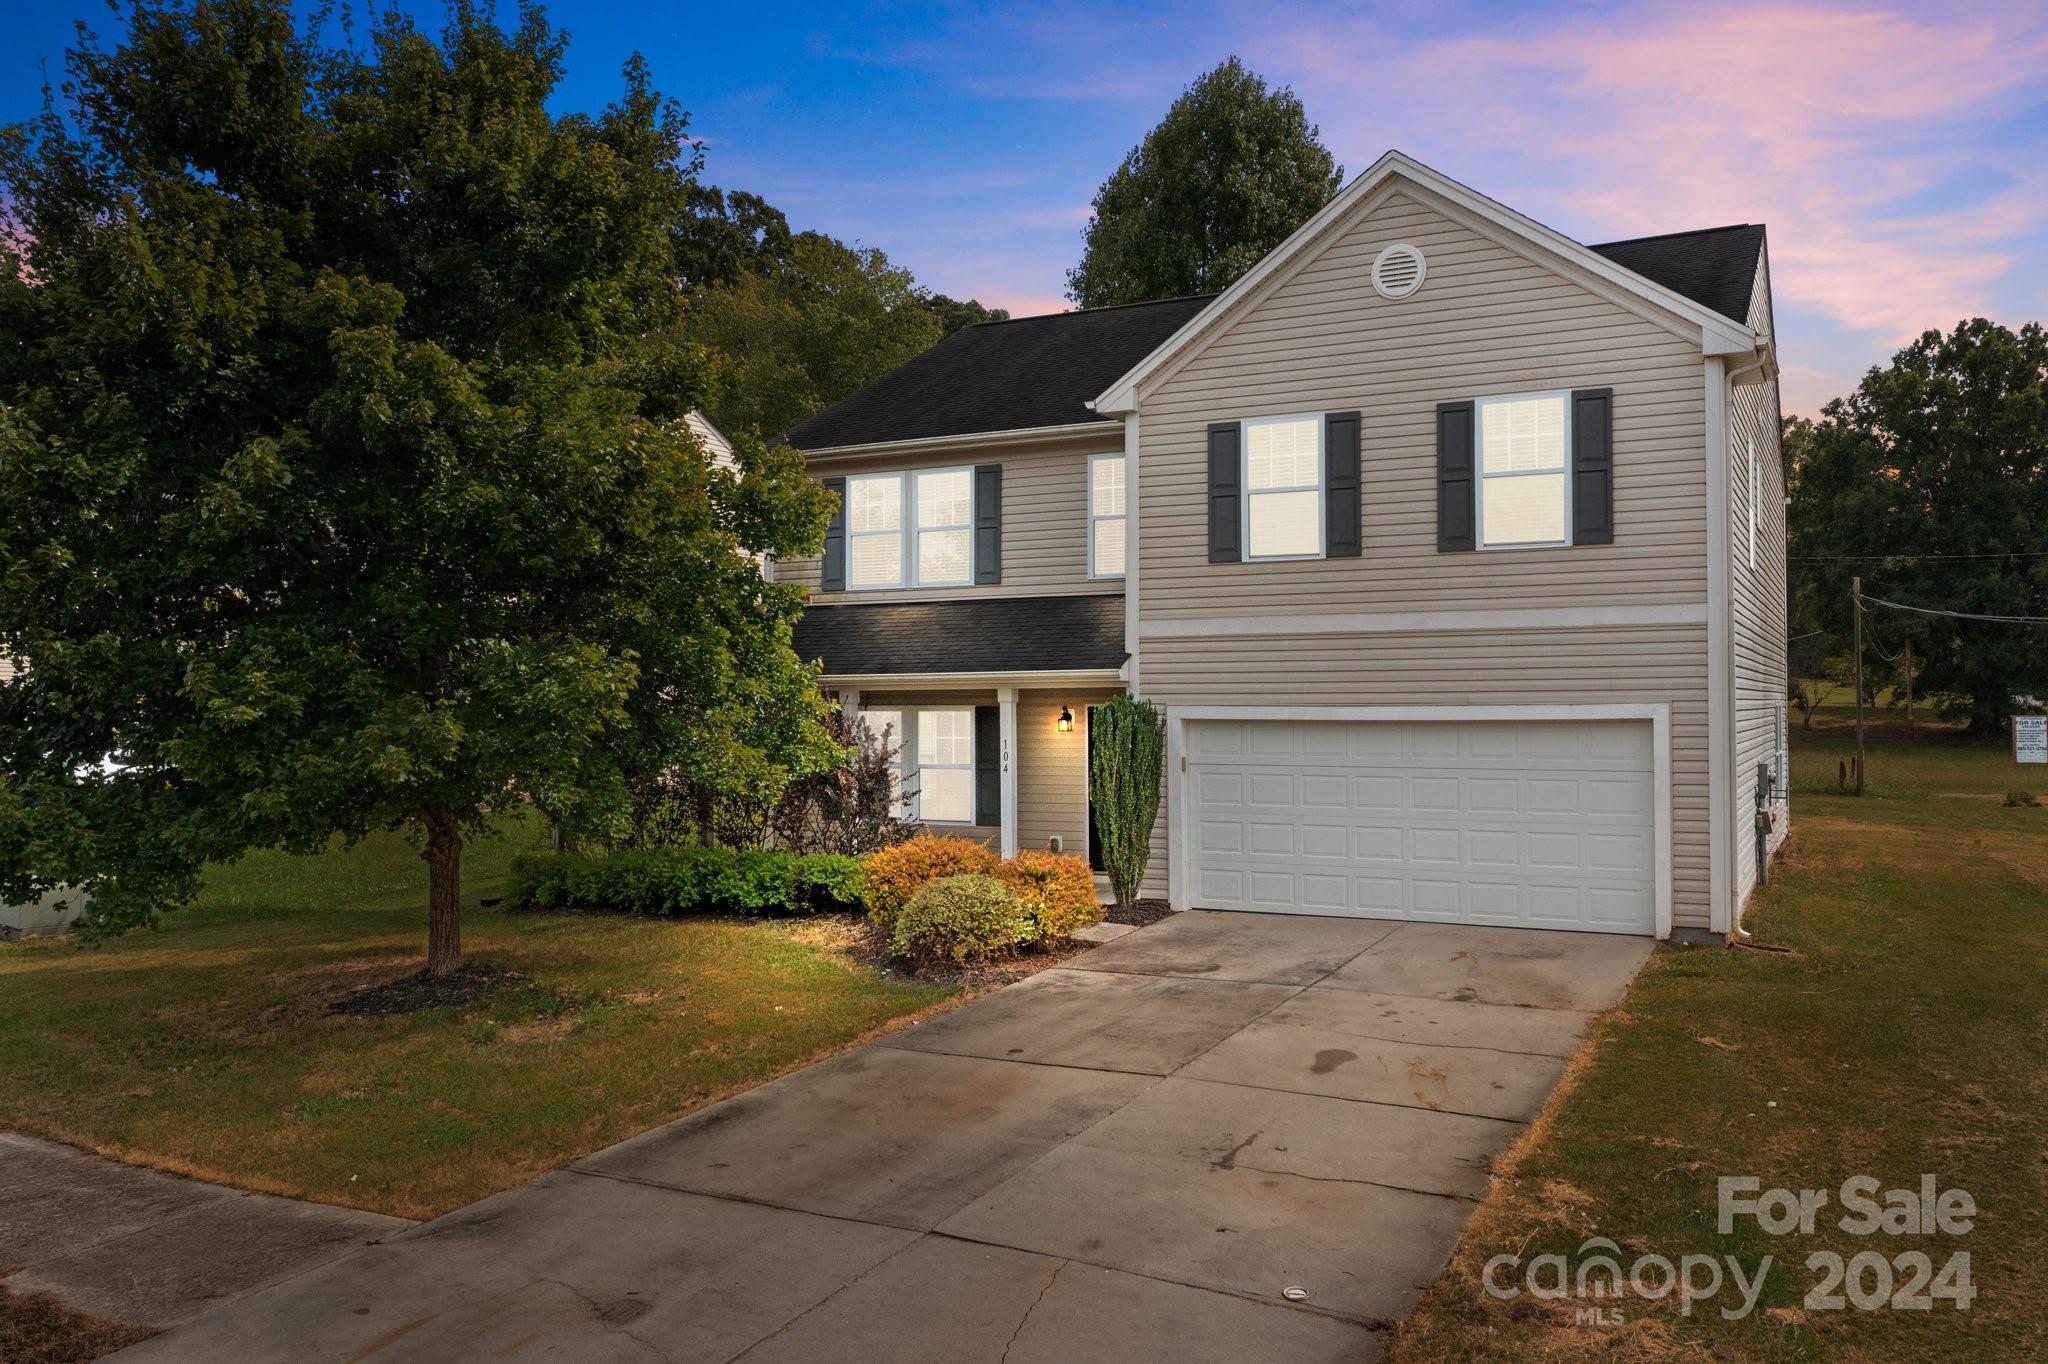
1397, 271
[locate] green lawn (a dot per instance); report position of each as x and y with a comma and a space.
207, 1047
1902, 1034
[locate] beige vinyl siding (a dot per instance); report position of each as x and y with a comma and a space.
1052, 768
1608, 666
1045, 516
1756, 597
1487, 321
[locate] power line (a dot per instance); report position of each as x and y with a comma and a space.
1957, 615
1893, 558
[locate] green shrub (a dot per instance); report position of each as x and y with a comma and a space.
961, 919
900, 871
1058, 892
674, 881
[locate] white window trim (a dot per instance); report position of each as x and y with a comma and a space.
1095, 517
1481, 477
907, 575
916, 578
902, 531
1245, 492
1755, 502
913, 718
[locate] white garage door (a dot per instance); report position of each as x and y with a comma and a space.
1541, 824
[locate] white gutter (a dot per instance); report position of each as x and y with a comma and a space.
966, 440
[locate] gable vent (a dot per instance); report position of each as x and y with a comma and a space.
1397, 271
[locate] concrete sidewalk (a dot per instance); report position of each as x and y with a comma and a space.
146, 1248
1133, 1157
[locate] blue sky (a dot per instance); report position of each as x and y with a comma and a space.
1898, 154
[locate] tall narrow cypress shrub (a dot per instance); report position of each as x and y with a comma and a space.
1123, 783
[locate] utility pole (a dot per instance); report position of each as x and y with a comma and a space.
1856, 602
1909, 689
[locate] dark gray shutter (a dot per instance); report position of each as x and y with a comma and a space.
832, 574
1224, 479
1593, 466
988, 769
1454, 473
1341, 511
988, 523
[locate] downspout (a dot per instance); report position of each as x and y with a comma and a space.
1720, 660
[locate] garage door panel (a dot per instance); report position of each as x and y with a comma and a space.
1540, 823
1493, 848
1274, 839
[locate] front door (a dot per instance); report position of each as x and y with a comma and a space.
1088, 779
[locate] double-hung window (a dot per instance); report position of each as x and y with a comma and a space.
945, 765
1524, 472
1106, 519
874, 531
887, 728
1283, 487
945, 527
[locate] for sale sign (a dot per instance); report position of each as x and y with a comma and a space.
2030, 738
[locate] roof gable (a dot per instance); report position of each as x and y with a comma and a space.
1720, 333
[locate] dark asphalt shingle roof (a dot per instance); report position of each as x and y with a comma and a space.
1714, 267
1003, 634
1042, 371
1001, 376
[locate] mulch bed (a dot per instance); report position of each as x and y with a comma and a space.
1141, 913
35, 1328
418, 993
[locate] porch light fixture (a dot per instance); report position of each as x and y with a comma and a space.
1066, 720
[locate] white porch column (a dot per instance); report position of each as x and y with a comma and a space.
1006, 707
849, 701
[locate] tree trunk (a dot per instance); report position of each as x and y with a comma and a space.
444, 894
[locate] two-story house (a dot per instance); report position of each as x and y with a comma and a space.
1450, 547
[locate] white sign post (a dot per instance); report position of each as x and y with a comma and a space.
2030, 738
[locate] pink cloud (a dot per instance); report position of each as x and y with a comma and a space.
1022, 303
1817, 121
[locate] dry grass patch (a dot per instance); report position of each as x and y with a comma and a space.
1906, 1031
210, 1048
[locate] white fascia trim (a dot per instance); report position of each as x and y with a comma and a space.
1400, 622
1020, 436
1720, 657
1718, 335
1131, 616
972, 681
1658, 715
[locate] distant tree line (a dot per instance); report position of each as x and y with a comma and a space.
1930, 483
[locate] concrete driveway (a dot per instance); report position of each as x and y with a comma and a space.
1132, 1158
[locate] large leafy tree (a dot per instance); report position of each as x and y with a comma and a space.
1232, 169
342, 481
1930, 482
804, 331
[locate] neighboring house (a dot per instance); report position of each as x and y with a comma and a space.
1451, 548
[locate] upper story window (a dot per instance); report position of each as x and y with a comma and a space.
945, 527
1283, 487
874, 531
1524, 475
910, 530
1106, 517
